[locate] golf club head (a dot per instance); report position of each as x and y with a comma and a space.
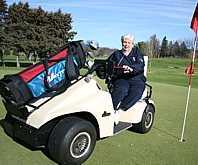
94, 45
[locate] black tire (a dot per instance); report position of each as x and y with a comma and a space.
147, 120
72, 141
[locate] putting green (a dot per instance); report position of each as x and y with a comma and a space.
160, 146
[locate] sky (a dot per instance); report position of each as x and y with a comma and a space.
106, 20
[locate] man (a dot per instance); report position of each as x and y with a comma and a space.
126, 70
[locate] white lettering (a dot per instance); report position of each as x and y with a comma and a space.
52, 76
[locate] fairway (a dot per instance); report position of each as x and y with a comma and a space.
159, 147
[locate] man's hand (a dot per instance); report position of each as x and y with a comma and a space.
127, 69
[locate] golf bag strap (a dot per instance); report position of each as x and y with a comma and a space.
72, 69
46, 83
45, 64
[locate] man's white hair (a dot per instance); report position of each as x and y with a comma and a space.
129, 36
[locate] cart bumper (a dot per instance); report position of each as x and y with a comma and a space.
24, 133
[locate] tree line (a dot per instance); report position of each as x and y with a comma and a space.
156, 49
32, 30
35, 31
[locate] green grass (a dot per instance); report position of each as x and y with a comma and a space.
171, 71
160, 146
13, 58
8, 70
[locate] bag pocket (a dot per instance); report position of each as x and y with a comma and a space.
14, 90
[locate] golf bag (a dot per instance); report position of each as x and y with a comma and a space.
53, 73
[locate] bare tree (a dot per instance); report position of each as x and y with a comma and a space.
154, 46
189, 43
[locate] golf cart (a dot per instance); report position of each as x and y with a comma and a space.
68, 124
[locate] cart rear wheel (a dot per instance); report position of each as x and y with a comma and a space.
147, 120
72, 141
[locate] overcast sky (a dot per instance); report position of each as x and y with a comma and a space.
106, 20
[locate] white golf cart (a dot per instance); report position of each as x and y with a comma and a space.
69, 124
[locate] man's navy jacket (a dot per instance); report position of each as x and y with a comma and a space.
135, 60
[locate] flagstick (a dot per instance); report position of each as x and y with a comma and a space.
189, 89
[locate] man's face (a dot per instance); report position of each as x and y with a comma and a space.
127, 44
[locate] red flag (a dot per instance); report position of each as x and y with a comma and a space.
194, 22
189, 70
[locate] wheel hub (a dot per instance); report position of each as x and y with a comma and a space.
80, 145
148, 121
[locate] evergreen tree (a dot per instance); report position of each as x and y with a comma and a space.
3, 19
183, 49
164, 48
3, 11
35, 30
176, 49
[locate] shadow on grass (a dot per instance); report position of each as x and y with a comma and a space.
47, 154
166, 133
1, 122
10, 134
156, 128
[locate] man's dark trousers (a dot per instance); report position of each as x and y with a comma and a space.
128, 92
